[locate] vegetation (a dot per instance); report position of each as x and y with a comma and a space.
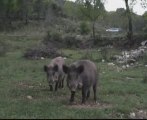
20, 78
91, 9
44, 29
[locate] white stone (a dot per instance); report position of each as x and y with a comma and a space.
111, 64
42, 58
124, 67
64, 58
29, 97
127, 66
132, 115
144, 43
103, 60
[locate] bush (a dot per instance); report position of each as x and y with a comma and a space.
41, 51
104, 53
84, 28
72, 41
53, 36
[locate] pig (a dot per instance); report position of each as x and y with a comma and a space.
55, 74
83, 75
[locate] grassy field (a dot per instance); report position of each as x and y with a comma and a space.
24, 92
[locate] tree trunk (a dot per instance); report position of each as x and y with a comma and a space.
130, 32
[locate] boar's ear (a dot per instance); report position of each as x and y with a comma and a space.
65, 69
80, 69
45, 68
55, 68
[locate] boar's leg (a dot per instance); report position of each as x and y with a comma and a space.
83, 95
88, 94
72, 96
62, 84
51, 87
56, 86
94, 90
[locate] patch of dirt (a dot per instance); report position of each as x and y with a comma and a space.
90, 105
28, 85
25, 85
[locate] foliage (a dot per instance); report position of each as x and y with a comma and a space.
84, 28
118, 96
104, 53
91, 10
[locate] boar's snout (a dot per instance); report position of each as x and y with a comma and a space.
73, 87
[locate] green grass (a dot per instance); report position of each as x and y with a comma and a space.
19, 78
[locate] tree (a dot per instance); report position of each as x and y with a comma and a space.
128, 11
25, 9
130, 29
38, 8
91, 9
8, 10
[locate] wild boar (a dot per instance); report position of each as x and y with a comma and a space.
55, 74
82, 75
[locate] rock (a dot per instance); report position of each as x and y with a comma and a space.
103, 60
64, 58
124, 67
127, 66
144, 43
132, 115
130, 61
29, 97
42, 58
99, 50
141, 114
111, 64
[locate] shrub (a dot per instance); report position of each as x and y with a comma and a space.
69, 41
84, 28
104, 53
53, 36
72, 41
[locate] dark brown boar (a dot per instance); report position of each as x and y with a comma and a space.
81, 74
